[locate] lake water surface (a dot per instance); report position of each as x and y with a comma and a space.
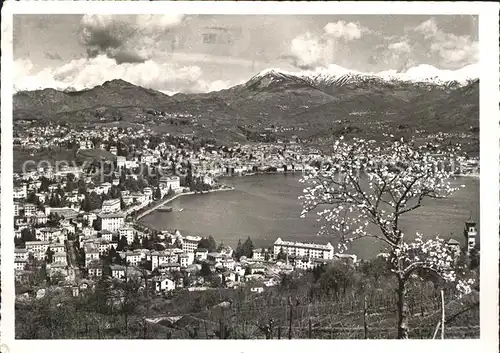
265, 207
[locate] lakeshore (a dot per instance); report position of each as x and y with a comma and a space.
172, 198
265, 207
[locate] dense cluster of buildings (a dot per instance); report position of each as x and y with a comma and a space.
61, 228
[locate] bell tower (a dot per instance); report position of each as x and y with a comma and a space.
470, 233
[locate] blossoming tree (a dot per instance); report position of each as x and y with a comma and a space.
365, 188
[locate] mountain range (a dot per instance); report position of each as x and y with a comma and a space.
315, 100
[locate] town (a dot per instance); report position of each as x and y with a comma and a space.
74, 226
78, 222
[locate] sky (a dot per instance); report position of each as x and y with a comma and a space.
200, 53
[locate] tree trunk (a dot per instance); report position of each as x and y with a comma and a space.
365, 315
442, 314
402, 310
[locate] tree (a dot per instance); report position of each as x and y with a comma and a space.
208, 243
32, 198
91, 202
70, 183
215, 282
189, 176
221, 246
247, 248
136, 243
44, 186
122, 244
55, 200
57, 278
53, 220
157, 195
49, 255
27, 235
114, 192
475, 258
205, 270
370, 184
237, 252
82, 187
146, 244
178, 243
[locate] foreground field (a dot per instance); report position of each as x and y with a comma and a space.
339, 303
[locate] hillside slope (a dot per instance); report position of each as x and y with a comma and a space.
270, 98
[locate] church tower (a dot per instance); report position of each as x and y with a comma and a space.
470, 234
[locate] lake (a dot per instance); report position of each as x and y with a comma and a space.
265, 207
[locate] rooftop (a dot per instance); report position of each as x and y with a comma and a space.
297, 244
112, 215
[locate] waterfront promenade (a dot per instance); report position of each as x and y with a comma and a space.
154, 207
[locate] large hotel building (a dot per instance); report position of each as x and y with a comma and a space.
311, 250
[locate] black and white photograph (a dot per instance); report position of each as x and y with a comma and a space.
247, 176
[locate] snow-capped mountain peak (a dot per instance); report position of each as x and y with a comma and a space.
337, 75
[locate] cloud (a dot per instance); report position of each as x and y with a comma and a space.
452, 50
90, 72
126, 38
52, 55
400, 47
346, 31
428, 28
307, 51
455, 49
394, 52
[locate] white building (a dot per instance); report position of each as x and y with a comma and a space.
298, 249
17, 208
133, 258
107, 236
117, 271
208, 179
228, 263
57, 248
157, 259
164, 284
91, 254
47, 234
120, 161
90, 218
190, 244
20, 254
109, 206
128, 233
201, 254
184, 260
19, 265
37, 248
111, 222
95, 270
148, 192
470, 234
171, 182
60, 258
259, 254
19, 192
29, 209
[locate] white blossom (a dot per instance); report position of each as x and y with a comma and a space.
376, 184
